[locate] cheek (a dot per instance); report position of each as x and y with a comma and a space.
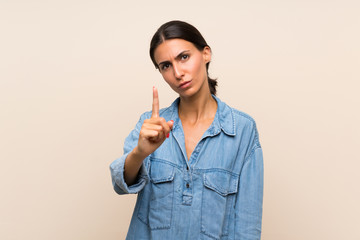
197, 65
167, 77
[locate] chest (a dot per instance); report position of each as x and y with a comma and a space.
193, 134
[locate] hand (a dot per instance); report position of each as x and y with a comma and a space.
154, 130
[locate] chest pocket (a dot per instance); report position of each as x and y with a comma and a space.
157, 198
218, 200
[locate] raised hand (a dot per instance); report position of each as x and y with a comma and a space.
154, 130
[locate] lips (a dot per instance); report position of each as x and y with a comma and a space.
185, 84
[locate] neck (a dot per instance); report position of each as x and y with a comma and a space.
197, 107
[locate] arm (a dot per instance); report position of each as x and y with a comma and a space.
117, 167
149, 134
248, 208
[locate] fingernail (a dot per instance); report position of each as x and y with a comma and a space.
167, 136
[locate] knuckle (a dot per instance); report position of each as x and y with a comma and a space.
162, 120
141, 132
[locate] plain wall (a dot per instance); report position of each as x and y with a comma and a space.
76, 75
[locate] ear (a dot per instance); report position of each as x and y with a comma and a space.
207, 54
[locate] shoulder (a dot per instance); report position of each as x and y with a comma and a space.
238, 117
243, 118
244, 125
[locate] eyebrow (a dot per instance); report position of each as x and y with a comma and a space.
177, 57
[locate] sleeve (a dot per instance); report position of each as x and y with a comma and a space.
248, 206
117, 166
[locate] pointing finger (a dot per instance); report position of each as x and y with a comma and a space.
155, 104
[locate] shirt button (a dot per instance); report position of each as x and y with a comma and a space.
187, 185
187, 168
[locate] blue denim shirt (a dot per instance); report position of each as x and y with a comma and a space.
216, 194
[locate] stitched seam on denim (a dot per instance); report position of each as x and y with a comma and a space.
256, 141
251, 153
244, 115
154, 159
256, 137
209, 235
212, 134
140, 218
139, 213
199, 145
199, 170
216, 190
162, 180
162, 227
171, 214
165, 179
202, 228
233, 121
221, 191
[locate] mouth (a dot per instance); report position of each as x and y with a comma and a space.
185, 84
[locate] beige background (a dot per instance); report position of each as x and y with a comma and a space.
75, 77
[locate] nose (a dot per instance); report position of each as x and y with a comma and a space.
178, 72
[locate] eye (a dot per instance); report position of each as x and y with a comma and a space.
184, 57
165, 66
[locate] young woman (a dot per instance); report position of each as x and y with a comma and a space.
197, 164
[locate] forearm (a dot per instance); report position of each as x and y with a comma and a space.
132, 166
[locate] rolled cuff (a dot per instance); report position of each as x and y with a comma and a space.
118, 181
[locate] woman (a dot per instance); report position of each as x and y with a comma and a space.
197, 164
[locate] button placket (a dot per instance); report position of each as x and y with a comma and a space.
188, 182
187, 194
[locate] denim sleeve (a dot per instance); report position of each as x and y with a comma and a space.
117, 166
248, 208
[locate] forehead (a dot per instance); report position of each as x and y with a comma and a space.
171, 48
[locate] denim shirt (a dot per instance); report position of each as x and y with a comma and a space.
216, 194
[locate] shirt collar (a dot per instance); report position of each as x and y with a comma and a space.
224, 118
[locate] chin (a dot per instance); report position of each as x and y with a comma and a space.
187, 93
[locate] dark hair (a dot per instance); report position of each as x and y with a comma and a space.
181, 30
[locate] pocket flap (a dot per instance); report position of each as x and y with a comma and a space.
221, 182
161, 172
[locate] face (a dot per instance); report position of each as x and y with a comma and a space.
183, 66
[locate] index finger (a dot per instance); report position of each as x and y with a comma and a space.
155, 104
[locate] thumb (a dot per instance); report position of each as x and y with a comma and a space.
170, 123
